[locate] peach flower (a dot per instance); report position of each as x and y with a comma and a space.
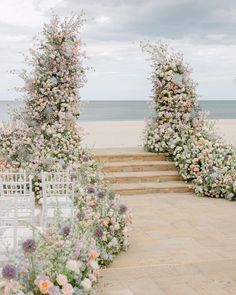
93, 254
44, 286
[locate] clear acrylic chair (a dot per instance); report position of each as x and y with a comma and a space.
58, 196
17, 211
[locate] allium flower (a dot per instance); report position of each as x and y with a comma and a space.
98, 233
29, 246
100, 195
65, 230
85, 158
9, 272
80, 215
123, 209
90, 190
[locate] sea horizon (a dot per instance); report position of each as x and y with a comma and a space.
128, 110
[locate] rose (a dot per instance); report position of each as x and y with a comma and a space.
68, 289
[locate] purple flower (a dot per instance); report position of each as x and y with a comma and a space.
77, 249
90, 190
9, 272
123, 209
65, 230
98, 233
85, 158
100, 195
29, 246
80, 215
210, 169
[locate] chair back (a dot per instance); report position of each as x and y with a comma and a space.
17, 211
58, 195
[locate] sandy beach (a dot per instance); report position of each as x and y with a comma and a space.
103, 134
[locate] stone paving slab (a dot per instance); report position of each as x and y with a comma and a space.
180, 245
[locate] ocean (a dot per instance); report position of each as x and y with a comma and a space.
129, 110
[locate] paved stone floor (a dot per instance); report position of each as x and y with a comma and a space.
180, 244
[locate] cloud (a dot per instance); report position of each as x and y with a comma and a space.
103, 19
203, 30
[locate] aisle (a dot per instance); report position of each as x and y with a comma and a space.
180, 244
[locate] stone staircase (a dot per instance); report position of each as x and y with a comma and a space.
132, 171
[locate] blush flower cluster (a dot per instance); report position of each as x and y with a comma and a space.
66, 258
179, 127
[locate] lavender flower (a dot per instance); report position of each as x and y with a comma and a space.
90, 190
80, 215
100, 195
123, 209
29, 246
210, 169
98, 233
9, 272
65, 230
85, 158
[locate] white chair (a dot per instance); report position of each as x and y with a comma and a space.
17, 211
58, 196
12, 183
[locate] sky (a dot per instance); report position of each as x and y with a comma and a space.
204, 30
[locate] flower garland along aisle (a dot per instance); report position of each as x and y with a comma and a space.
179, 128
44, 136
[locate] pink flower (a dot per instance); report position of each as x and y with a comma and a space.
62, 280
68, 289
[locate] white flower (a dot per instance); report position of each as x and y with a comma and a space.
86, 284
73, 265
53, 80
94, 264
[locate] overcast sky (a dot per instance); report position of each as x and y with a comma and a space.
205, 30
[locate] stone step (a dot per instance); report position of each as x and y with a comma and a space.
151, 187
128, 154
143, 176
133, 166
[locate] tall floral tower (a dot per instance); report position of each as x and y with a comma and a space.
178, 127
174, 99
44, 134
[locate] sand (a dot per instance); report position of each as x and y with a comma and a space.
103, 134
